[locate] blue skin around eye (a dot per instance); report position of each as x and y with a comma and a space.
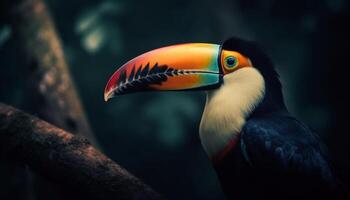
230, 61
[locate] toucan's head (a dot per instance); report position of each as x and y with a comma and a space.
192, 66
239, 76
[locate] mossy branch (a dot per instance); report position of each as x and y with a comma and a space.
67, 159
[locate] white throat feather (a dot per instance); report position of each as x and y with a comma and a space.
227, 108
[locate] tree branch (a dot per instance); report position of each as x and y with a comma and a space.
67, 159
51, 90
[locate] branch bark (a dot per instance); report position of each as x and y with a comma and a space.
51, 93
66, 159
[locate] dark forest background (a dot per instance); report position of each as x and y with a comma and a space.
155, 135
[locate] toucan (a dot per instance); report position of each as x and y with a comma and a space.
258, 149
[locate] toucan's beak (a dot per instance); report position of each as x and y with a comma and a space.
178, 67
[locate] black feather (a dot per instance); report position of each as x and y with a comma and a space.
142, 78
154, 69
132, 73
273, 100
145, 70
137, 75
122, 78
278, 157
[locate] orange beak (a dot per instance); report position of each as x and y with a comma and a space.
191, 66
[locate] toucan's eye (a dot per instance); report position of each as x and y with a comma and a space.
231, 62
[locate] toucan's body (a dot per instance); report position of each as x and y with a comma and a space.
257, 148
276, 157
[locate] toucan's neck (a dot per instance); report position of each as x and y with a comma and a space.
273, 101
228, 107
273, 98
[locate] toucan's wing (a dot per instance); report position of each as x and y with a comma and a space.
284, 147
